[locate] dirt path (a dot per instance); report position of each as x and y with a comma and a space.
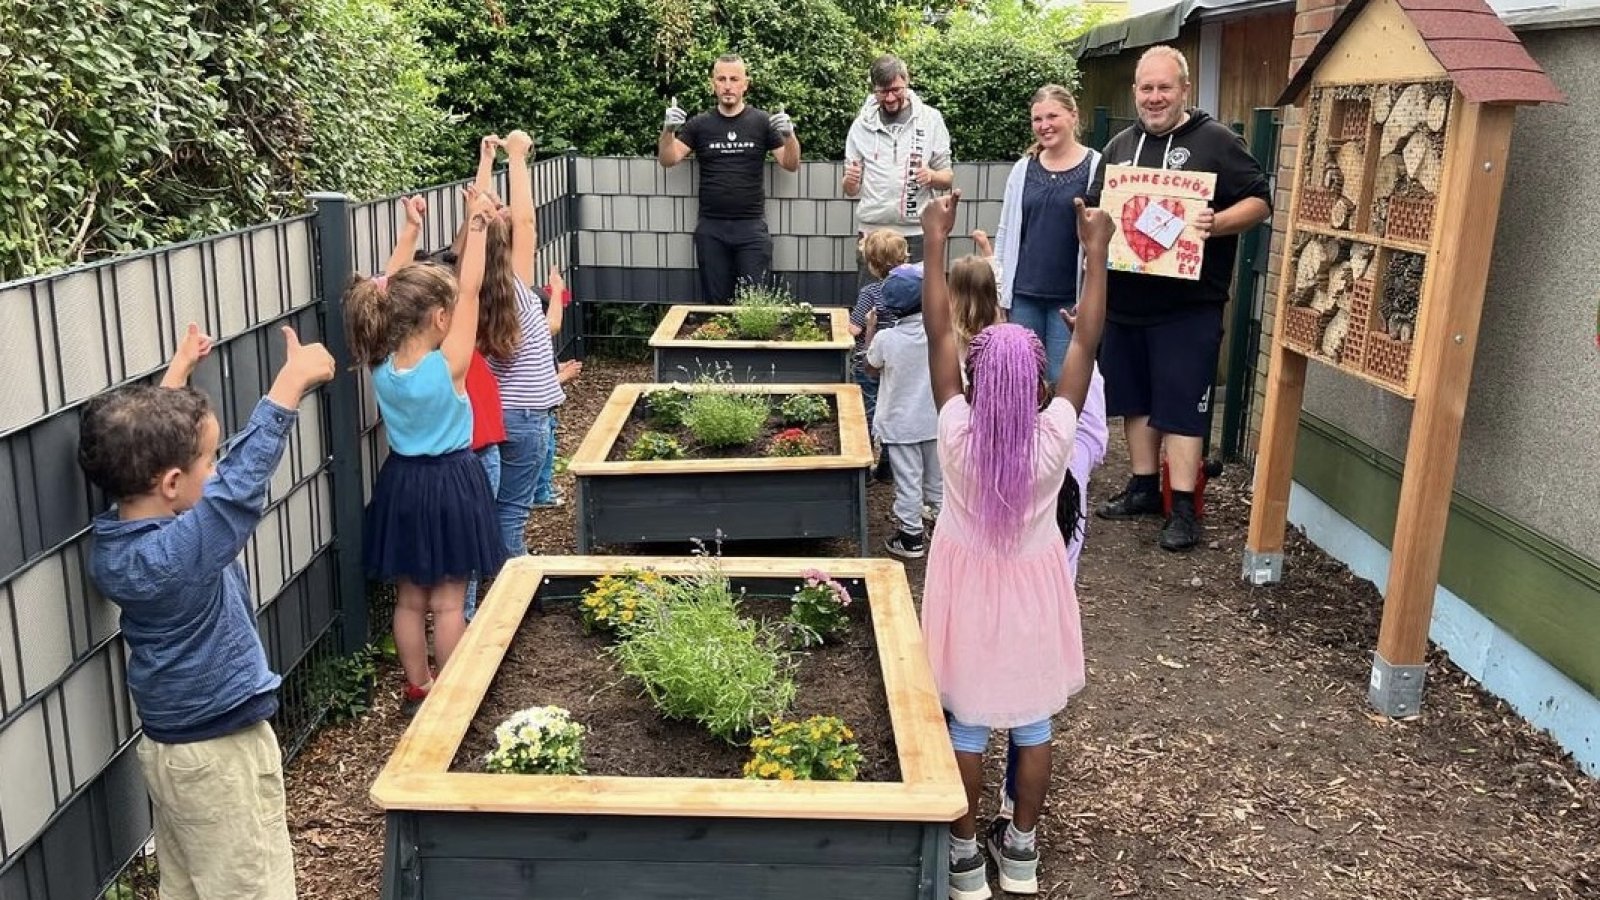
1223, 748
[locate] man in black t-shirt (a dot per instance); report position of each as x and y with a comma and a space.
731, 142
1162, 335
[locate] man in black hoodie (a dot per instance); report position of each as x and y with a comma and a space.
1162, 335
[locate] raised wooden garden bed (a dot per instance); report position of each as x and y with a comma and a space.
682, 358
753, 497
473, 834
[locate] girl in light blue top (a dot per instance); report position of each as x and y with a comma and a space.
431, 523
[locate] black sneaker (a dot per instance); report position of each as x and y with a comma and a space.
909, 546
969, 879
1182, 530
882, 471
1018, 869
1130, 504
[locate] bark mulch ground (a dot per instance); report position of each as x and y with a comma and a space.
1223, 748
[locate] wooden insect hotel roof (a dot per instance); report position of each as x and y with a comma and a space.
1477, 51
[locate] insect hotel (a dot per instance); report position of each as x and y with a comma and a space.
1407, 108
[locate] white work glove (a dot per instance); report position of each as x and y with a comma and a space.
674, 117
782, 124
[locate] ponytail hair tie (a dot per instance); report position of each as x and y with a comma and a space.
382, 281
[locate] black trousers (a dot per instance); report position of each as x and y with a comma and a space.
731, 251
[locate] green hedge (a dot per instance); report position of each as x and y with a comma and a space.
131, 123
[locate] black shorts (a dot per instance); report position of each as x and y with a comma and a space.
1164, 371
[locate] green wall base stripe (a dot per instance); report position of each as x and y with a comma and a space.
1540, 592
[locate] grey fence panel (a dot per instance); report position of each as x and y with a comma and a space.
65, 715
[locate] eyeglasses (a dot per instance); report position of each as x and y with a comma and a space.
891, 91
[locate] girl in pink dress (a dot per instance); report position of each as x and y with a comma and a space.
999, 611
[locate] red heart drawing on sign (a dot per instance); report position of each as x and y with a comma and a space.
1144, 246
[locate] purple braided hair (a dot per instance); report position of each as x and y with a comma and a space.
1006, 364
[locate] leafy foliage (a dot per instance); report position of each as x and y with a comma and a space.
655, 445
818, 607
132, 123
699, 660
981, 67
726, 418
596, 74
820, 748
667, 406
344, 684
804, 409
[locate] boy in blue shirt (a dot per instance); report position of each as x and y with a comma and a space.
168, 555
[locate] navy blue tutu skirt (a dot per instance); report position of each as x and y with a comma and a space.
432, 519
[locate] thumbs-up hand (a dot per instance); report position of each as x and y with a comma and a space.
305, 367
674, 117
194, 346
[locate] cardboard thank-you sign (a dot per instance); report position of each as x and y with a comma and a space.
1155, 210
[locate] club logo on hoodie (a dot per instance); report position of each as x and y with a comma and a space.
1177, 157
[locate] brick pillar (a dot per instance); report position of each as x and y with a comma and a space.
1312, 20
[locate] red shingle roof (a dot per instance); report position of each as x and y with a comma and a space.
1481, 55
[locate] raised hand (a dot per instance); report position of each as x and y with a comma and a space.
981, 239
194, 346
489, 146
416, 208
557, 284
518, 144
939, 216
674, 117
481, 203
852, 176
782, 124
1094, 227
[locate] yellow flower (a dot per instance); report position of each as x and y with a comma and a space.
848, 734
782, 749
760, 743
816, 734
786, 775
826, 728
768, 768
627, 615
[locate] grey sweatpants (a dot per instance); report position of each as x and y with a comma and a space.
917, 481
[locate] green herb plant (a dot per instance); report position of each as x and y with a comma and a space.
726, 418
804, 409
655, 445
666, 407
699, 660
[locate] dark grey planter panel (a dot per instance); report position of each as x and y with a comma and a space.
481, 855
753, 365
776, 504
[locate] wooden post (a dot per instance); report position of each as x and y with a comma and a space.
1280, 422
1458, 270
1280, 426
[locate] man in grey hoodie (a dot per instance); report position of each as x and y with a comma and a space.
897, 154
